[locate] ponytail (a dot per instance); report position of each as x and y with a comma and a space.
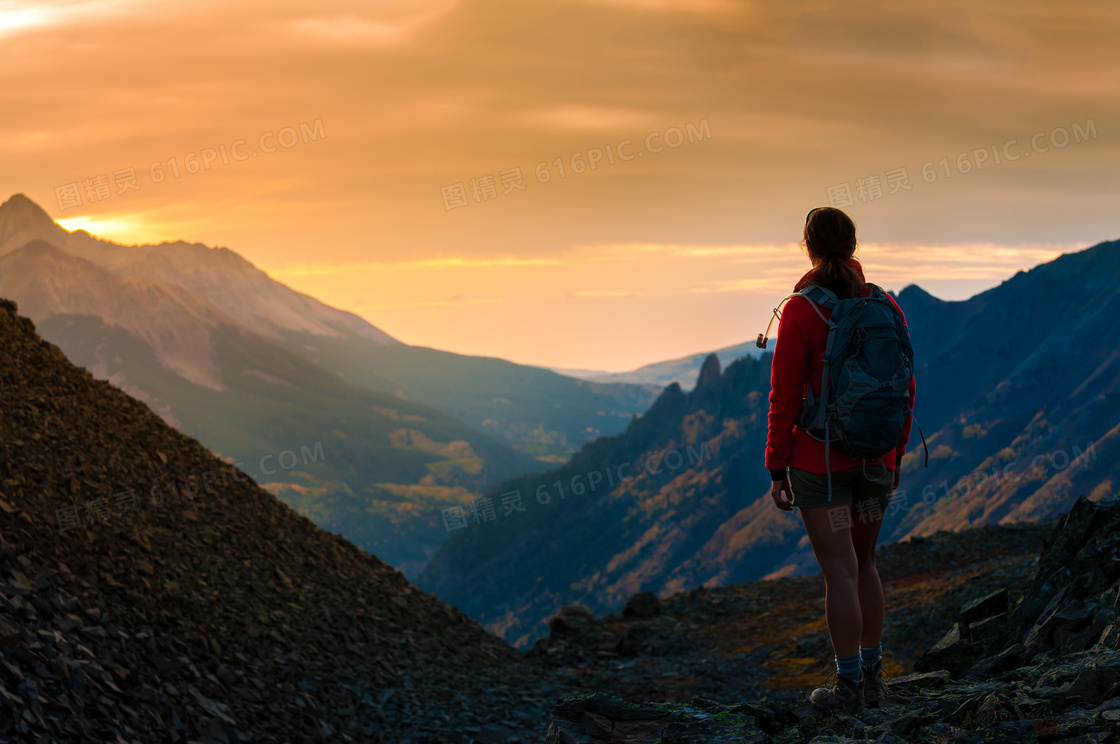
830, 240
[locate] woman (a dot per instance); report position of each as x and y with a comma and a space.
843, 531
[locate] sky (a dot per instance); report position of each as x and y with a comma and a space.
368, 153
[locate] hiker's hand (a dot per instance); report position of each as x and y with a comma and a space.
897, 477
782, 494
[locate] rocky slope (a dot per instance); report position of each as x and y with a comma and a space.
1038, 662
134, 611
768, 638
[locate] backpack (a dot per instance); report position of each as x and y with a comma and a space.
865, 382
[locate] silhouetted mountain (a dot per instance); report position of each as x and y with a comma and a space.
1020, 386
1022, 377
132, 611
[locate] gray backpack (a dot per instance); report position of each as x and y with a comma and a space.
865, 383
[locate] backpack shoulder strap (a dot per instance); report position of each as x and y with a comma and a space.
819, 296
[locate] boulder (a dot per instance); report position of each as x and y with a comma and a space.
1094, 686
642, 605
990, 604
569, 621
952, 654
1006, 660
987, 629
917, 681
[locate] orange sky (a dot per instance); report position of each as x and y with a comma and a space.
672, 251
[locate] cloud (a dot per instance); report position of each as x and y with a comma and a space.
347, 28
600, 293
450, 262
587, 118
696, 6
19, 17
377, 23
440, 303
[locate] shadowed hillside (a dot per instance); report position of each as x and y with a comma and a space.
131, 609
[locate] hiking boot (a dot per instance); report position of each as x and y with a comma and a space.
874, 687
845, 696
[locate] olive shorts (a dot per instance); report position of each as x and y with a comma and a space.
810, 490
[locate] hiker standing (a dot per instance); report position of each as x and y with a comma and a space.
834, 452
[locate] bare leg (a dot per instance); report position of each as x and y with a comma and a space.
836, 554
871, 602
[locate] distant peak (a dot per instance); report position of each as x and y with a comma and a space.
709, 371
913, 292
20, 209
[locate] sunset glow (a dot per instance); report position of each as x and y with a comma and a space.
668, 151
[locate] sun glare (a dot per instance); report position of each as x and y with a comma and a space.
117, 229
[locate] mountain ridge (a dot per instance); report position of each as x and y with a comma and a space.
218, 274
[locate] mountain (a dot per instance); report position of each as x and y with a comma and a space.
229, 282
1022, 378
379, 467
691, 466
257, 370
682, 371
534, 410
549, 416
1021, 389
221, 617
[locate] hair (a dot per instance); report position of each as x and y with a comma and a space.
830, 239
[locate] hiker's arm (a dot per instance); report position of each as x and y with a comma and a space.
789, 372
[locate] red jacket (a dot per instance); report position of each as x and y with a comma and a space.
798, 359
